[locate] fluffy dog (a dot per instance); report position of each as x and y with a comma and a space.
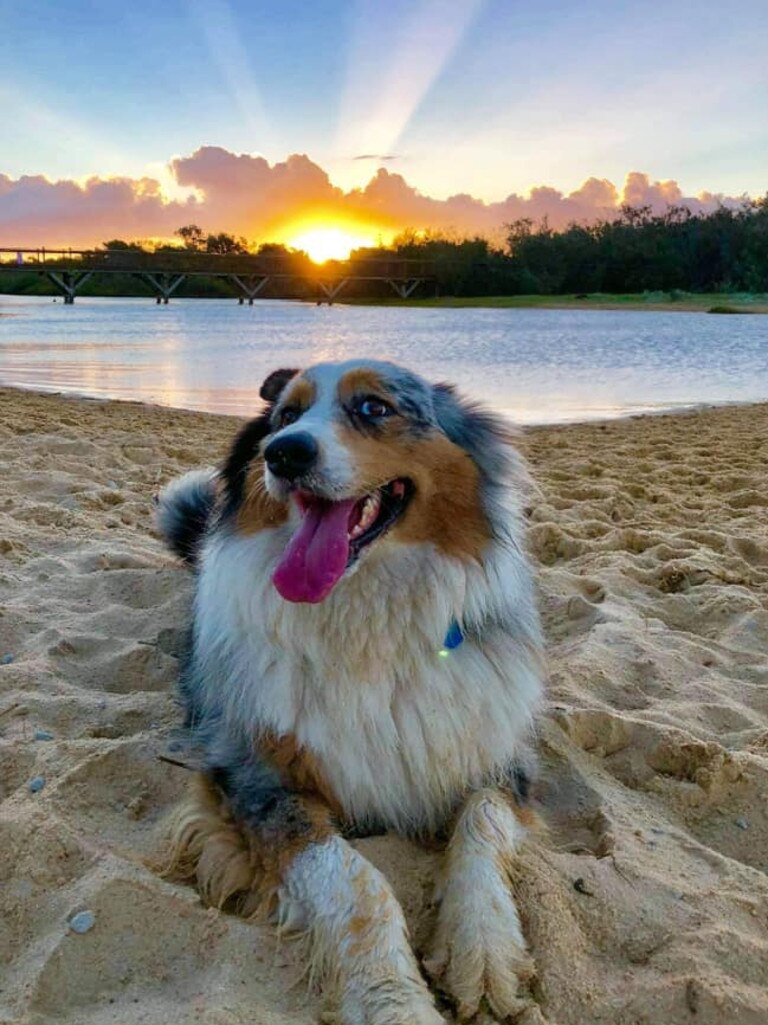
365, 655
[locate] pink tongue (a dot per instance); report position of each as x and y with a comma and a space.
317, 554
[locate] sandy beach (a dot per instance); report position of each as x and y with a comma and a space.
648, 900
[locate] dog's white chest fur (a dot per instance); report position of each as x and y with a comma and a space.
398, 728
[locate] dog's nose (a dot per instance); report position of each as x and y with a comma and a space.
291, 456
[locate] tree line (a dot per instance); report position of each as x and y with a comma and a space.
193, 239
725, 250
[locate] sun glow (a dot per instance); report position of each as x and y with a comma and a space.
322, 244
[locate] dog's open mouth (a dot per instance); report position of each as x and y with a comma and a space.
330, 537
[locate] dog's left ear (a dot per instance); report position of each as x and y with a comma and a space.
271, 389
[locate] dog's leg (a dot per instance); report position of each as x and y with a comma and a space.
358, 933
479, 950
283, 854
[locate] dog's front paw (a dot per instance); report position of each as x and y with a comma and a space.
478, 950
377, 1002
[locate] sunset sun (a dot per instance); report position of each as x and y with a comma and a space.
322, 244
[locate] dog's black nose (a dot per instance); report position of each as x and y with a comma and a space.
291, 456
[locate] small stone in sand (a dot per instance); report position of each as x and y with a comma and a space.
581, 887
6, 660
742, 823
36, 783
43, 735
82, 922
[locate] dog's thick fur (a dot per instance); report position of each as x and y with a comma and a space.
350, 714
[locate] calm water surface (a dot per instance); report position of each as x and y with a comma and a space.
540, 366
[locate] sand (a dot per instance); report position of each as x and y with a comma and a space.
648, 902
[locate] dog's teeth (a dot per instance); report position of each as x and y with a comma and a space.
369, 513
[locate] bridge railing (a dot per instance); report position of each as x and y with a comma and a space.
22, 255
191, 262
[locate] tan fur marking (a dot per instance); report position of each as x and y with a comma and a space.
374, 906
360, 382
206, 846
298, 768
526, 816
525, 813
230, 864
446, 507
301, 392
259, 510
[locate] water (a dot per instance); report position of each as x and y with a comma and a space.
540, 366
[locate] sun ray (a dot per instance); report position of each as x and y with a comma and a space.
217, 21
387, 82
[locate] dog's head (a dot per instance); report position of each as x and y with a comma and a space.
357, 456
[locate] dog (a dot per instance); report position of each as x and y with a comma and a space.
365, 655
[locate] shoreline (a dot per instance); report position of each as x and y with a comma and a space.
713, 303
710, 303
680, 409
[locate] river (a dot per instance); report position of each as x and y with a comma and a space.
537, 365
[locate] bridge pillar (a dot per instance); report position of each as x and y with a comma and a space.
250, 286
332, 288
164, 284
405, 288
68, 282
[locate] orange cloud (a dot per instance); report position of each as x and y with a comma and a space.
246, 195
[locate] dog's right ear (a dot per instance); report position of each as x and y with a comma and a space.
271, 389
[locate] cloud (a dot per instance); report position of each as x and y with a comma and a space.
246, 195
35, 211
377, 156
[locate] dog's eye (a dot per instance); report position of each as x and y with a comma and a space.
372, 408
289, 416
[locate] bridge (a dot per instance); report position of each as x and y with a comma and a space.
249, 276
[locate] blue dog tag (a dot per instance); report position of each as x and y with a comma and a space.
454, 637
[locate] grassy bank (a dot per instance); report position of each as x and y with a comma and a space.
212, 288
691, 302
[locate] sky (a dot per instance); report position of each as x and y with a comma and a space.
433, 99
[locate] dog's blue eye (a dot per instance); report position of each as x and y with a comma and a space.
289, 416
374, 409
